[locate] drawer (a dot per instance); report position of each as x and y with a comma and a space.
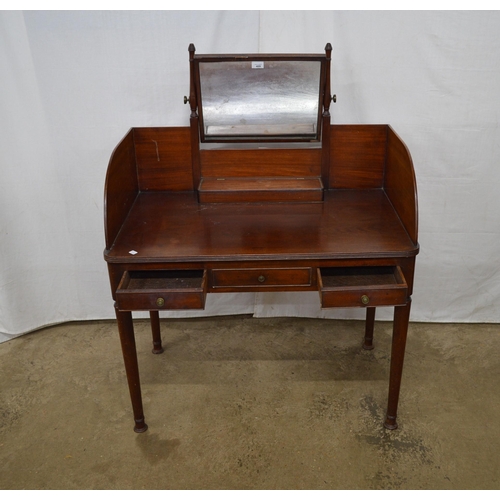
159, 290
362, 286
262, 278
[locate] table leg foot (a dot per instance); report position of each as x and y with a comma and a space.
140, 426
390, 423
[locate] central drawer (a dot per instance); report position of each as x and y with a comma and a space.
262, 278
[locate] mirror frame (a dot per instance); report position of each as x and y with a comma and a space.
196, 95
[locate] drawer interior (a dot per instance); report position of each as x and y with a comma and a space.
163, 280
361, 277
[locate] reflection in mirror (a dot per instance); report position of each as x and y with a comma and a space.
260, 99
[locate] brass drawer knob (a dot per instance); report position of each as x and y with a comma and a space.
160, 302
365, 299
261, 279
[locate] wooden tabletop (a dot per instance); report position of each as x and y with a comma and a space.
174, 227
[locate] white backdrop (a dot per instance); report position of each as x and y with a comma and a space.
72, 84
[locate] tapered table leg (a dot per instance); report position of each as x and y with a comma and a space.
155, 329
127, 339
400, 331
369, 326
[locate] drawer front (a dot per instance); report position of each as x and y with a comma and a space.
362, 287
262, 278
162, 290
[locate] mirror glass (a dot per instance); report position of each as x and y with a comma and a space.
260, 99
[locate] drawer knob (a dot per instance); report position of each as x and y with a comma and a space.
261, 279
160, 302
365, 299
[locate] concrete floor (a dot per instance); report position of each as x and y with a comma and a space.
245, 403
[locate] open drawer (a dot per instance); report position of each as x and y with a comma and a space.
158, 290
362, 286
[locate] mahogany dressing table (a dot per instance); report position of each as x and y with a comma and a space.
260, 193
